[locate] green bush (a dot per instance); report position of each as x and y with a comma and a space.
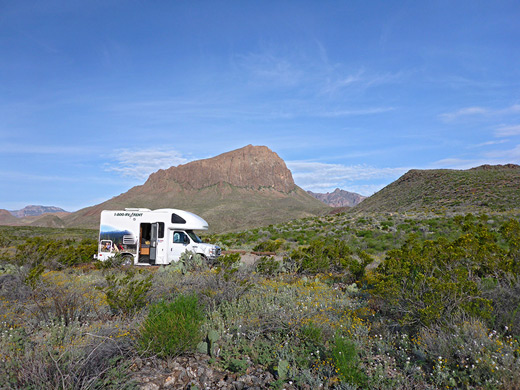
55, 253
427, 283
126, 294
322, 257
268, 266
231, 260
347, 362
172, 328
269, 245
335, 256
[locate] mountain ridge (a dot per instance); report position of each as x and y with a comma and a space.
339, 198
484, 188
36, 210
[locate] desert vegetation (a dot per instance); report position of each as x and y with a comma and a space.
358, 302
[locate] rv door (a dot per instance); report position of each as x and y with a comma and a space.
153, 242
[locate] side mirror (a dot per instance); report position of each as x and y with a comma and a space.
186, 240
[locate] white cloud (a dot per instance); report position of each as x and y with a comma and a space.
507, 131
505, 156
365, 189
322, 177
488, 143
353, 112
468, 111
141, 163
493, 157
459, 163
480, 111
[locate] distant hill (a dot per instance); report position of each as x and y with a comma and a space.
33, 211
243, 188
6, 218
339, 198
484, 188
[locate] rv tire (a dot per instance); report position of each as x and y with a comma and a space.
205, 259
127, 260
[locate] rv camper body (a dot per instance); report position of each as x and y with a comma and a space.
152, 237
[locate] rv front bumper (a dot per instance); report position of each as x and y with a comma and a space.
214, 253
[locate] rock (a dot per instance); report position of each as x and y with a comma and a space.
237, 385
186, 373
170, 382
150, 386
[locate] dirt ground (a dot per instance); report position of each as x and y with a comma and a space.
251, 258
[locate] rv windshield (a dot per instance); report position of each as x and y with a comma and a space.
193, 236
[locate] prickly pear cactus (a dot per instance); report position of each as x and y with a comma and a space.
283, 369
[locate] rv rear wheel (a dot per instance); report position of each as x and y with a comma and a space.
127, 260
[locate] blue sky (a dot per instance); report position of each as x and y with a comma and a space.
96, 95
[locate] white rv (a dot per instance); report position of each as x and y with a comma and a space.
152, 237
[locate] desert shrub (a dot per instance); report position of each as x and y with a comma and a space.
427, 283
228, 261
510, 232
111, 262
466, 354
269, 245
193, 261
172, 328
32, 274
346, 360
312, 334
12, 287
59, 303
322, 257
504, 293
289, 322
126, 294
217, 286
55, 356
188, 262
66, 298
54, 253
335, 256
268, 266
422, 284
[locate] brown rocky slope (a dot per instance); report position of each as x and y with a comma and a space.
487, 188
243, 188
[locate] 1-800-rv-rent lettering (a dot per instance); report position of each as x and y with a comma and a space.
152, 237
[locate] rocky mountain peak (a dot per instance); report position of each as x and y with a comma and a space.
339, 198
33, 210
253, 167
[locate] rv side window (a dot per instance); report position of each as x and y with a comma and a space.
161, 230
178, 237
177, 219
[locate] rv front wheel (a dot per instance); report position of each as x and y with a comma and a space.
127, 260
205, 259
